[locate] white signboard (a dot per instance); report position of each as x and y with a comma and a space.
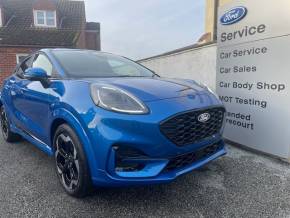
253, 73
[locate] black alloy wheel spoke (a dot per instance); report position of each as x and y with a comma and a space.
60, 168
67, 161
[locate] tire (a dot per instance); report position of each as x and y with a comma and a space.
71, 163
8, 135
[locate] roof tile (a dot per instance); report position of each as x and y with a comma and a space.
19, 28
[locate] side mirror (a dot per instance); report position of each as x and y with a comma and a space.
37, 74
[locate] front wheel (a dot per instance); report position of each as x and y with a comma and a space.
8, 135
71, 163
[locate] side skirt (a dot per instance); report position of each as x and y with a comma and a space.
34, 140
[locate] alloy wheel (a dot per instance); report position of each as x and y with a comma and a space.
67, 162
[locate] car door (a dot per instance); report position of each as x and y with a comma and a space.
11, 92
31, 100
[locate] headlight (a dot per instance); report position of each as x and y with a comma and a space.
115, 99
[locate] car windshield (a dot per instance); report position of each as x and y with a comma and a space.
90, 64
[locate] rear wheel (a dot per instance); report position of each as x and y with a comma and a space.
71, 163
8, 135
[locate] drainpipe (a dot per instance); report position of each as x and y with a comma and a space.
216, 5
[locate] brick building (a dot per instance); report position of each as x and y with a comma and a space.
29, 25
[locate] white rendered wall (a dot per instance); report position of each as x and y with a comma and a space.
198, 64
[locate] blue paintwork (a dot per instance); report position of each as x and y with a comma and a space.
234, 15
33, 109
39, 73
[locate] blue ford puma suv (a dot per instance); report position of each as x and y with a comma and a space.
109, 121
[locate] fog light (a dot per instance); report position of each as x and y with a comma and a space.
128, 167
128, 159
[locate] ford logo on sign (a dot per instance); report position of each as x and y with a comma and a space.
203, 118
234, 15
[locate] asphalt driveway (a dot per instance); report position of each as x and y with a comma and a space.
242, 184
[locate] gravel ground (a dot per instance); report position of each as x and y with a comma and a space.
241, 184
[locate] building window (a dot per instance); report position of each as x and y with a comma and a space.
44, 18
20, 57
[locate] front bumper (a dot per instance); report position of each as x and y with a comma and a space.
108, 130
107, 179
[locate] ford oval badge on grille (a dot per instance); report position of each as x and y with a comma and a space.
204, 117
233, 16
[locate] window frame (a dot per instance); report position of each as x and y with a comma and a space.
20, 74
25, 55
45, 18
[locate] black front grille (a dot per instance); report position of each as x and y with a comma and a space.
190, 158
184, 129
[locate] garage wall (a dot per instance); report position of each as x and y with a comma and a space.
198, 64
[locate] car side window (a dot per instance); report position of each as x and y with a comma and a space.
23, 66
41, 61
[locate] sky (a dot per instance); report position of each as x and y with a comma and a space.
142, 28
